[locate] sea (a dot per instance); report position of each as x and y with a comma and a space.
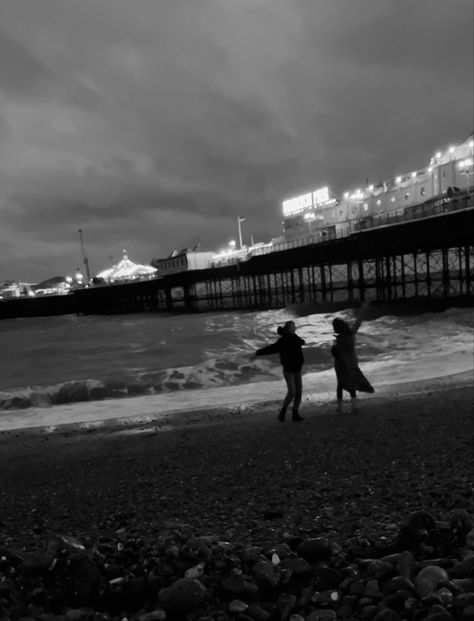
185, 361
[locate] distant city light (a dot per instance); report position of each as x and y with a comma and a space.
346, 194
430, 169
398, 179
413, 174
471, 144
371, 188
451, 149
438, 155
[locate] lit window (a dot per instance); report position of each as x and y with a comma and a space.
379, 202
366, 207
392, 199
407, 195
422, 191
341, 213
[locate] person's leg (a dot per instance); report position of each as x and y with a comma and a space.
354, 403
298, 396
290, 395
339, 396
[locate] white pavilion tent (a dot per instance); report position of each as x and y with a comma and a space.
126, 270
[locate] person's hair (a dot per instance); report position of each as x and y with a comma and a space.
340, 326
285, 329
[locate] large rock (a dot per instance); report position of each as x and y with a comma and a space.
462, 570
265, 574
427, 581
183, 596
237, 587
315, 550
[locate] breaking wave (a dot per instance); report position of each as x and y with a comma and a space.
61, 360
210, 374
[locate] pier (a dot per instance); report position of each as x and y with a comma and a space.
430, 258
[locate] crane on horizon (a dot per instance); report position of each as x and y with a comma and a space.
85, 260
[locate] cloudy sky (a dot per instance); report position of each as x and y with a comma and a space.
153, 124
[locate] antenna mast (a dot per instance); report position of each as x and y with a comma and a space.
85, 260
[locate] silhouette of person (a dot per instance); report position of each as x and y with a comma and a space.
289, 346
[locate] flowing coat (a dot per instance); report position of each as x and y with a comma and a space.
346, 364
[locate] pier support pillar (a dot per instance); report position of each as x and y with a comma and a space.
169, 300
467, 264
361, 280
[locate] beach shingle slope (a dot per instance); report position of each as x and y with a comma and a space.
340, 517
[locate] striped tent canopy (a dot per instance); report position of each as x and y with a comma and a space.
126, 270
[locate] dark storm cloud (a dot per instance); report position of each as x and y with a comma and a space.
153, 125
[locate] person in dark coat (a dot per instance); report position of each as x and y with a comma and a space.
291, 357
346, 364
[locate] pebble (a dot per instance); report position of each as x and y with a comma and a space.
292, 578
237, 605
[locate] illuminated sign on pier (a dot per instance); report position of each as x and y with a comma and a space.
311, 199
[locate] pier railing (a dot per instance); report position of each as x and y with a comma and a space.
417, 212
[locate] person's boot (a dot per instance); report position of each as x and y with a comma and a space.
281, 416
296, 418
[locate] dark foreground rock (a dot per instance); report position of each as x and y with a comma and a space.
176, 574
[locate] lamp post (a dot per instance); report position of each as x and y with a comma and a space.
239, 222
471, 165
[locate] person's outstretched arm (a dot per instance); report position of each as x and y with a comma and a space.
269, 349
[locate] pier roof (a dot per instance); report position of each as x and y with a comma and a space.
126, 269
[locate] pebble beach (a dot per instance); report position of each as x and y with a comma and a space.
218, 517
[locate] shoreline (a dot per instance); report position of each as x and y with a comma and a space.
173, 410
